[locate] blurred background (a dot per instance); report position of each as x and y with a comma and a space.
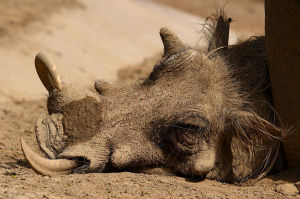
103, 39
89, 40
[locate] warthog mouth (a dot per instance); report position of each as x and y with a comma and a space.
82, 163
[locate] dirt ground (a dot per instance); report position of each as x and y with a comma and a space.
17, 117
18, 15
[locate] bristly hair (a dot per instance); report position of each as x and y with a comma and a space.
216, 31
247, 63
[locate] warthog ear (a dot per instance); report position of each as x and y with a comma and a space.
47, 72
220, 32
171, 42
252, 130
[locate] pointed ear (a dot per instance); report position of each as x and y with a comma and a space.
170, 41
253, 130
218, 31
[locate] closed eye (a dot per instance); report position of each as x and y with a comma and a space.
189, 127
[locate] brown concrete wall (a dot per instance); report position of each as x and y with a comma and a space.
283, 50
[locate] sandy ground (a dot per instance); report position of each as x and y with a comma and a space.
40, 24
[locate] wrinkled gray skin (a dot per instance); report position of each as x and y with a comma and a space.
192, 116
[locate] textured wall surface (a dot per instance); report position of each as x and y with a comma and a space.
283, 49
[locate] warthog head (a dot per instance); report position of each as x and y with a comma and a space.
189, 117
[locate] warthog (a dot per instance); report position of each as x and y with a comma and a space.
200, 113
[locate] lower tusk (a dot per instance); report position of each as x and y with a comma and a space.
46, 166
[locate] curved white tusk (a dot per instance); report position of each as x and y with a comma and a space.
46, 166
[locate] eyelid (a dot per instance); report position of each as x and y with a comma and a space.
187, 126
